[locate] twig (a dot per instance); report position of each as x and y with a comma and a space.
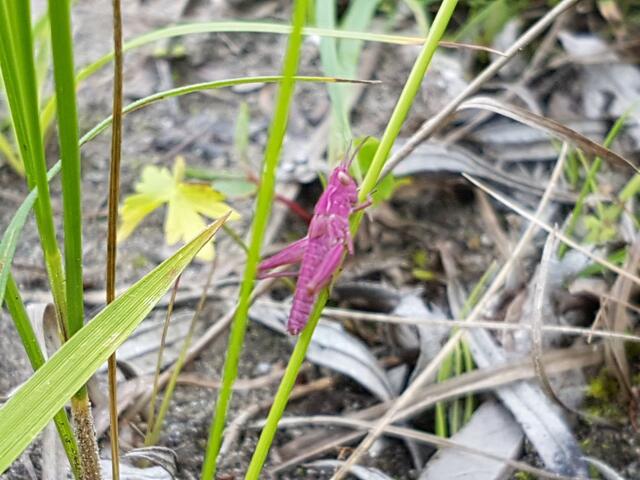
540, 297
163, 341
423, 437
114, 191
464, 324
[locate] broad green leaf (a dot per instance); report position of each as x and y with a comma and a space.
386, 186
235, 188
29, 410
187, 203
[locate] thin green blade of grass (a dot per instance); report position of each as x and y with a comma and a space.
63, 70
149, 438
357, 19
340, 57
340, 129
199, 87
12, 233
41, 34
264, 201
10, 238
18, 313
46, 392
418, 8
455, 414
463, 363
18, 72
46, 116
400, 112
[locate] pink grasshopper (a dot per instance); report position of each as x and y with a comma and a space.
320, 252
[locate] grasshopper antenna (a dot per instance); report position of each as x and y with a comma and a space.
356, 151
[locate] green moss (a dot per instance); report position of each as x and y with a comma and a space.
524, 476
593, 472
603, 392
603, 387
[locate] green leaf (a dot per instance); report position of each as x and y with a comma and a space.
63, 72
387, 185
10, 238
186, 204
29, 410
241, 134
236, 188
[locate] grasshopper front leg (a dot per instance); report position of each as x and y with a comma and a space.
289, 255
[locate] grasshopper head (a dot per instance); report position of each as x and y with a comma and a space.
343, 184
341, 176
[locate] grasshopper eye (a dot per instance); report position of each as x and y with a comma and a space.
344, 178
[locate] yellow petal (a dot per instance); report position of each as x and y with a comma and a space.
207, 253
205, 200
182, 222
156, 182
134, 209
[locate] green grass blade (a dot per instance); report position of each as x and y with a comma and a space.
340, 58
391, 132
46, 392
12, 233
260, 220
10, 239
41, 34
48, 111
340, 131
284, 390
405, 101
18, 72
62, 48
199, 87
418, 9
18, 313
357, 19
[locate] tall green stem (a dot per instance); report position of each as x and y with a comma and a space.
386, 143
62, 48
260, 220
63, 69
19, 77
